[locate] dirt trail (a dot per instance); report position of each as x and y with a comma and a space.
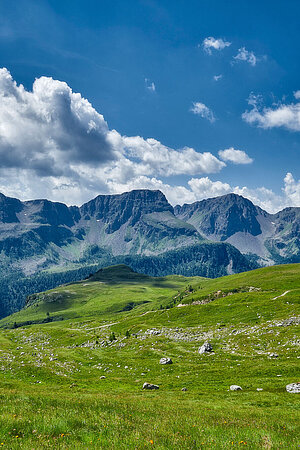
282, 295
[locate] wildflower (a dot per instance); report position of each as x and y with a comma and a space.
151, 442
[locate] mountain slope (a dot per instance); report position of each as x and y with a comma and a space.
273, 238
40, 235
79, 355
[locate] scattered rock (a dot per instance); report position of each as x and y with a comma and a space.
150, 386
184, 389
259, 389
235, 387
273, 355
102, 377
165, 361
293, 388
73, 385
205, 348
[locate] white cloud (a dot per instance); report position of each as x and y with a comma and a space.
202, 188
210, 43
245, 55
202, 110
150, 85
162, 160
205, 188
174, 194
281, 115
265, 198
291, 190
235, 156
217, 77
47, 129
297, 95
54, 144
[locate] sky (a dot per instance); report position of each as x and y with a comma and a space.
197, 99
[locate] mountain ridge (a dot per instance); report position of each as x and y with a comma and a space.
231, 218
213, 237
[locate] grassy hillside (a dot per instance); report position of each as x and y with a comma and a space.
68, 383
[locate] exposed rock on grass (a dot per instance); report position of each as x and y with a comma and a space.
205, 348
235, 387
165, 361
293, 388
150, 386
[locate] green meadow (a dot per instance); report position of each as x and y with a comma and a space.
74, 361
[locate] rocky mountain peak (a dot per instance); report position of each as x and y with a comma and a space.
127, 207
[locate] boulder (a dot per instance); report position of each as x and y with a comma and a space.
293, 388
235, 387
205, 348
165, 361
150, 386
184, 389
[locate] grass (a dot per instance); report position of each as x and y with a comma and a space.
52, 393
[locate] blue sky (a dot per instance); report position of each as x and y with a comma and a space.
178, 73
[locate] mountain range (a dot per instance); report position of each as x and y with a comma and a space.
270, 238
41, 241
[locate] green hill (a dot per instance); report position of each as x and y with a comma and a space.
73, 362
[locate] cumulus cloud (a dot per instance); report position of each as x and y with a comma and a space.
291, 189
49, 128
281, 115
54, 144
162, 160
150, 85
265, 198
210, 43
235, 156
205, 188
245, 55
202, 110
174, 194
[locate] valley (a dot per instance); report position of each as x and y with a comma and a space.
44, 244
74, 361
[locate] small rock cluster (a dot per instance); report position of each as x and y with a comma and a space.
293, 388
